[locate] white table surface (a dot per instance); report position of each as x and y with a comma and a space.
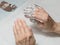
7, 21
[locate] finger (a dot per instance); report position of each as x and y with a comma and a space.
40, 14
38, 18
15, 32
25, 27
21, 26
17, 27
27, 16
23, 34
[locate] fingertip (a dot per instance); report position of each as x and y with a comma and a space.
27, 16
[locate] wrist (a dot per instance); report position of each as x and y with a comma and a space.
50, 24
57, 28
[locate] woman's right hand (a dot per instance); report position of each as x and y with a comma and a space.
23, 34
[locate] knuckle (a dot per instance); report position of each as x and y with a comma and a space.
24, 37
17, 41
29, 35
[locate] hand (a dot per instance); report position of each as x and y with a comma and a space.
46, 21
43, 19
23, 34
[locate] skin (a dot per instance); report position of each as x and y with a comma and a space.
47, 23
23, 34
